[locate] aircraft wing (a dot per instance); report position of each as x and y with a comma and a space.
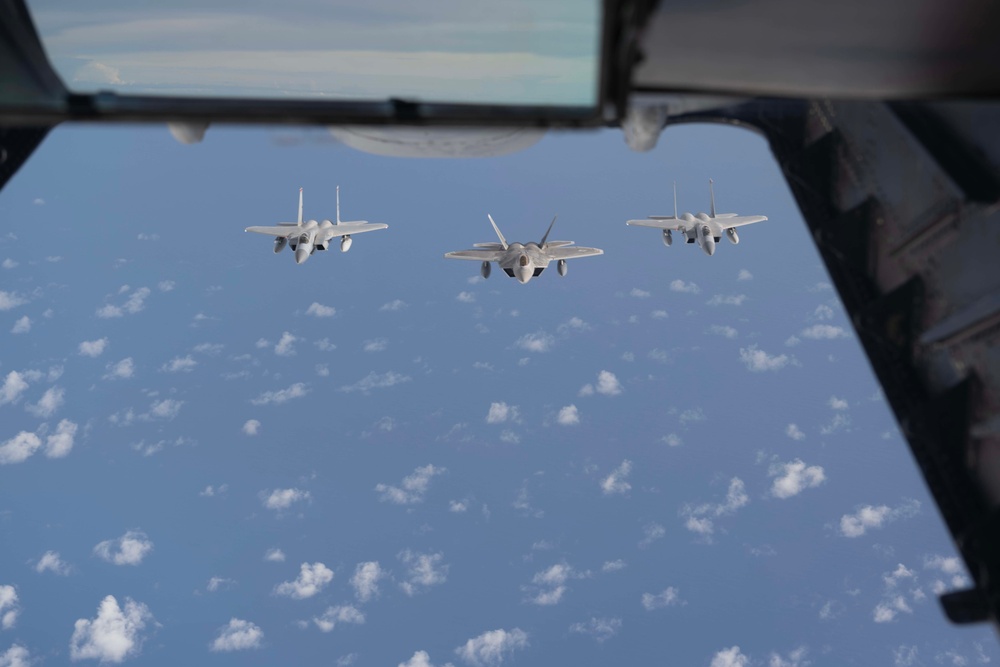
345, 228
739, 220
571, 252
477, 255
659, 223
281, 230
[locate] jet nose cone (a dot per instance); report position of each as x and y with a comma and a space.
301, 255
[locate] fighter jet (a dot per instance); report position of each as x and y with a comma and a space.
705, 229
305, 239
523, 261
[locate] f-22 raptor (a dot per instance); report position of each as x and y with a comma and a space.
523, 261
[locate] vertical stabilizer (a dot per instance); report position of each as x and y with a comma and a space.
675, 200
300, 207
711, 194
546, 237
338, 204
503, 241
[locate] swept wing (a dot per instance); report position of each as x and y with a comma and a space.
571, 252
478, 255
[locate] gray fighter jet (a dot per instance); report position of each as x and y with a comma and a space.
704, 229
305, 239
523, 261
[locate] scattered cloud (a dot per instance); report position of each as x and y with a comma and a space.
658, 314
251, 427
285, 347
10, 607
613, 565
639, 293
297, 390
794, 477
548, 586
375, 381
491, 648
135, 303
568, 416
744, 275
651, 533
365, 580
670, 597
573, 324
274, 555
16, 656
794, 432
180, 365
699, 518
113, 635
617, 481
319, 310
311, 580
422, 571
9, 263
394, 305
824, 332
601, 629
211, 491
607, 384
9, 300
13, 386
671, 440
22, 325
375, 345
536, 342
413, 487
217, 583
758, 360
51, 562
329, 619
838, 403
60, 443
282, 499
723, 330
730, 657
687, 288
501, 412
466, 297
727, 300
870, 517
19, 448
93, 348
166, 285
49, 403
129, 549
238, 635
121, 370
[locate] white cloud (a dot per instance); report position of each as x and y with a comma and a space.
251, 427
319, 310
135, 303
758, 360
901, 572
617, 481
794, 477
838, 403
795, 658
871, 517
466, 297
129, 549
549, 585
113, 635
568, 416
168, 408
723, 330
658, 314
365, 580
49, 403
339, 614
180, 365
286, 346
93, 348
687, 288
639, 293
727, 300
730, 657
10, 300
671, 439
9, 263
15, 656
60, 443
613, 565
670, 597
491, 648
108, 311
9, 607
422, 571
501, 412
216, 583
905, 656
311, 580
458, 506
573, 324
394, 305
375, 381
22, 325
211, 491
651, 533
699, 517
282, 499
297, 390
13, 386
274, 555
744, 275
536, 342
888, 610
413, 487
166, 285
823, 312
601, 629
238, 635
122, 370
375, 345
51, 562
607, 384
794, 432
19, 448
824, 332
690, 415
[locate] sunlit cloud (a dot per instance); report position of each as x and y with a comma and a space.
297, 390
282, 499
617, 482
683, 287
365, 580
319, 310
413, 487
251, 427
376, 381
113, 635
51, 562
669, 597
568, 416
601, 629
794, 477
870, 517
93, 348
237, 635
422, 571
129, 549
49, 403
758, 360
311, 580
491, 648
536, 342
340, 614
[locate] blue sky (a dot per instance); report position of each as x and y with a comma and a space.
662, 458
